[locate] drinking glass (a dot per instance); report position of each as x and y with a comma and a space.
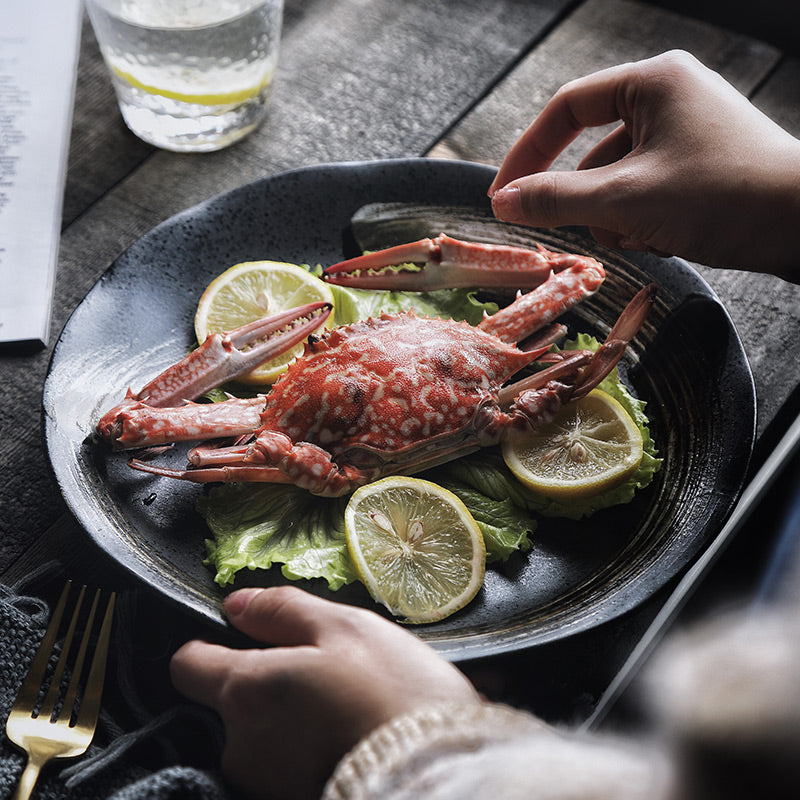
190, 75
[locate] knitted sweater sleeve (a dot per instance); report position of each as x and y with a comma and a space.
450, 752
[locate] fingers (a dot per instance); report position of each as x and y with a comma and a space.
197, 670
552, 199
523, 192
597, 99
626, 92
200, 670
611, 239
283, 615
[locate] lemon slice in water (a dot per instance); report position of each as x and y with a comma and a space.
250, 291
197, 95
592, 445
415, 547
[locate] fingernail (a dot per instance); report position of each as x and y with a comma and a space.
506, 204
236, 602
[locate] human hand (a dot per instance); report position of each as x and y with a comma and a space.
694, 169
291, 712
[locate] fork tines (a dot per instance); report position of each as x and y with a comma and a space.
54, 697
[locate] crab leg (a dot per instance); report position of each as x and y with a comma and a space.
558, 280
533, 310
226, 474
617, 341
256, 464
140, 425
221, 358
536, 399
447, 263
564, 371
224, 356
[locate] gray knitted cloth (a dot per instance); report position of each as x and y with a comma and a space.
110, 770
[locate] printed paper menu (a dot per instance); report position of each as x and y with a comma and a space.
39, 42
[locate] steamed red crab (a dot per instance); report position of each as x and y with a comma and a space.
394, 394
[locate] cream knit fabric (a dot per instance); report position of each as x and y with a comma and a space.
452, 752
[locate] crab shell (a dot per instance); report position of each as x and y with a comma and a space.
384, 389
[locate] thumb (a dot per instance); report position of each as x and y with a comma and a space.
552, 199
281, 615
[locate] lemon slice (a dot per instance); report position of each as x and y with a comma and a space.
592, 445
194, 95
250, 291
415, 547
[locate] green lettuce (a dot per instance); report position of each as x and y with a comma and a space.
482, 482
258, 525
351, 305
486, 471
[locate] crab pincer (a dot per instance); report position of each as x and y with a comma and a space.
222, 357
448, 263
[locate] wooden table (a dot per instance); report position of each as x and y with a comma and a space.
360, 81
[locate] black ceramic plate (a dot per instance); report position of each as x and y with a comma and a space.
687, 362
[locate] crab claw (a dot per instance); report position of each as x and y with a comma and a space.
225, 356
447, 263
222, 357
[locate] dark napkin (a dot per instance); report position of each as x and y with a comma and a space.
137, 751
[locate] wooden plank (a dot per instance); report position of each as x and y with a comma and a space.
773, 21
390, 96
598, 34
602, 33
102, 150
763, 308
355, 81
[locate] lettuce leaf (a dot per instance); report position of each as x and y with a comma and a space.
482, 482
351, 305
258, 525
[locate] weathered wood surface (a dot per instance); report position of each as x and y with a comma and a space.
597, 34
601, 33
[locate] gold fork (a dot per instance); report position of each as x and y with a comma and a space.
53, 729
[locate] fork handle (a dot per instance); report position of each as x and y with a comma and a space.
29, 777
